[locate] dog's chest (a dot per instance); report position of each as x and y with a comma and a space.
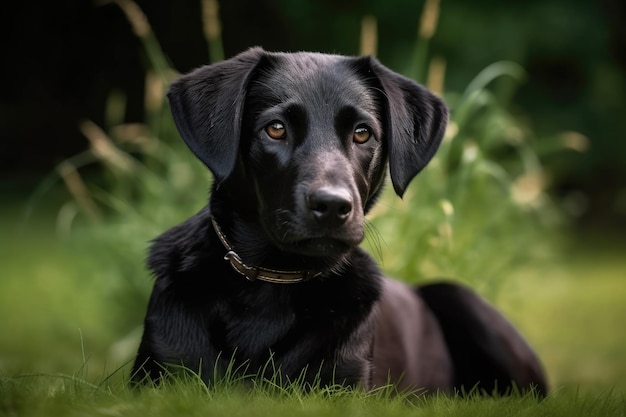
277, 319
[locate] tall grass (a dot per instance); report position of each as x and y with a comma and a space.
476, 209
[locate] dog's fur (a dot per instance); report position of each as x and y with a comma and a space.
294, 198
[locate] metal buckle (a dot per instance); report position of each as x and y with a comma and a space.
251, 274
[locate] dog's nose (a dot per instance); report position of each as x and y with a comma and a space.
330, 206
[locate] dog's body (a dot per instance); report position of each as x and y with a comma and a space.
269, 277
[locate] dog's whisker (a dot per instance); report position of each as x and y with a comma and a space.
375, 238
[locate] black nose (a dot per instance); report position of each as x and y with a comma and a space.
330, 206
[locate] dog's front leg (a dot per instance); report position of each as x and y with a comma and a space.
175, 339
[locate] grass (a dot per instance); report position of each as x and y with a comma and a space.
575, 313
37, 395
75, 288
67, 340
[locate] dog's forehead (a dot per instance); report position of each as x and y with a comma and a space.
314, 76
309, 64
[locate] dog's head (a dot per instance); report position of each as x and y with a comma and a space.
302, 140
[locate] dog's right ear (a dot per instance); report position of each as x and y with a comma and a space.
207, 106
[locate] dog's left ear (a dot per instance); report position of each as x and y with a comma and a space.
207, 106
416, 121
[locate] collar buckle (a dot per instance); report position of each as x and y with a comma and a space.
237, 264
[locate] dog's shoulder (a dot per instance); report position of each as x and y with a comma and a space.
182, 248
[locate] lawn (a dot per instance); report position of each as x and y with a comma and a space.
67, 340
72, 297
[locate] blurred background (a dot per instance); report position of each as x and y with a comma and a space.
526, 200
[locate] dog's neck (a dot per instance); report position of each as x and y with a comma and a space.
253, 273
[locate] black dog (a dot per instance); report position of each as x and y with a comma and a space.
269, 278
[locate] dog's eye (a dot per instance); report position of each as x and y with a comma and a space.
361, 134
276, 130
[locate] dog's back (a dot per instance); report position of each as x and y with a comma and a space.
443, 337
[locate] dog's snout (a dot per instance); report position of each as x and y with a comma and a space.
330, 206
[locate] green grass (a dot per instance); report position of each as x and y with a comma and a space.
74, 288
38, 395
67, 341
573, 311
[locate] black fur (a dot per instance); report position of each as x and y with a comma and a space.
297, 202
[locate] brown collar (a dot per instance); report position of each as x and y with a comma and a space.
252, 273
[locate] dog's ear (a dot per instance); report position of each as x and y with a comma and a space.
207, 106
416, 121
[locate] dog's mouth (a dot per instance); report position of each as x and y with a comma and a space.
318, 247
297, 235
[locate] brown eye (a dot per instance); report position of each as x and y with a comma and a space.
276, 130
361, 134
